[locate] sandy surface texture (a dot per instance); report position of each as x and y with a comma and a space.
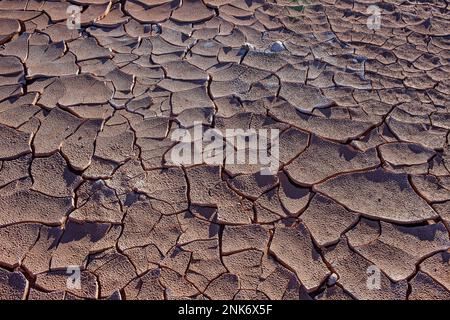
93, 204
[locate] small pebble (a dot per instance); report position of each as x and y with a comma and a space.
277, 46
332, 279
156, 28
248, 46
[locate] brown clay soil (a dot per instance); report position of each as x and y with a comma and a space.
86, 178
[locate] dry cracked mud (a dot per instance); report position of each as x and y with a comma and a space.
86, 178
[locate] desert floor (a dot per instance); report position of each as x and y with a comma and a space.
94, 205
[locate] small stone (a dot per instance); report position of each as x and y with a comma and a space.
332, 279
277, 46
156, 28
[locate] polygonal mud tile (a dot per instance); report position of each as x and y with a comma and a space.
334, 129
14, 169
13, 285
365, 232
443, 209
253, 185
294, 248
327, 220
79, 147
292, 142
58, 280
265, 61
50, 60
177, 286
19, 204
167, 186
205, 262
156, 127
201, 179
275, 284
423, 287
196, 229
17, 239
369, 193
13, 143
271, 201
405, 153
184, 70
192, 11
9, 27
12, 71
115, 143
37, 260
79, 240
97, 202
41, 295
139, 220
246, 237
223, 288
146, 287
304, 98
51, 176
437, 266
113, 271
324, 159
152, 151
154, 14
360, 277
399, 249
55, 127
66, 91
293, 198
189, 99
431, 188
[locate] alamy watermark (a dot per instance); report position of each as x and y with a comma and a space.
74, 17
373, 278
74, 279
234, 146
374, 20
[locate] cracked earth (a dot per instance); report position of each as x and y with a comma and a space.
86, 117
